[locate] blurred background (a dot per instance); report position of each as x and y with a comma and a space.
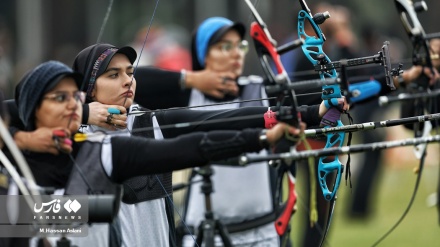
33, 31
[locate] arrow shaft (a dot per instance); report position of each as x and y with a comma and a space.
246, 159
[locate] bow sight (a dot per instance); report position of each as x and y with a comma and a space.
383, 58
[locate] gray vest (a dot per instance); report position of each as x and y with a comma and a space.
145, 188
89, 162
98, 182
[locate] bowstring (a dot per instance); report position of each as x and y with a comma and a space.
420, 167
142, 49
104, 22
98, 40
168, 196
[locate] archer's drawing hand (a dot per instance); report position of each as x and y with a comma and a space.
98, 114
215, 84
42, 140
281, 129
415, 72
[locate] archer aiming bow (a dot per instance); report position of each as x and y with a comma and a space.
407, 11
421, 56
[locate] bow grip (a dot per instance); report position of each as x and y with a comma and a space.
331, 117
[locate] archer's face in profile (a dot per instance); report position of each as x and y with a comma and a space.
228, 54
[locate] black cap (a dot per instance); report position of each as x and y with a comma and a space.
94, 60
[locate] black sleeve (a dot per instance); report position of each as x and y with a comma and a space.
149, 156
85, 115
218, 120
14, 119
310, 115
246, 117
159, 89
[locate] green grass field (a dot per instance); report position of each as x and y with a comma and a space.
419, 228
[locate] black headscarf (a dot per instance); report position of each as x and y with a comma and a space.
30, 90
94, 60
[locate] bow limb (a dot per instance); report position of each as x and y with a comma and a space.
421, 54
24, 167
414, 29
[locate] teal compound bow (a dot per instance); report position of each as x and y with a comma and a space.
313, 50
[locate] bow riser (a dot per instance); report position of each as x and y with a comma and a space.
314, 52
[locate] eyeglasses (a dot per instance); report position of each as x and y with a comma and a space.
62, 97
226, 47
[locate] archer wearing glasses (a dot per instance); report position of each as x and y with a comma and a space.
219, 45
63, 97
227, 47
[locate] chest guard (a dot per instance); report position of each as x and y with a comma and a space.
146, 188
96, 182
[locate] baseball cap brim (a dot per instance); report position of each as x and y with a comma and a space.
126, 50
239, 27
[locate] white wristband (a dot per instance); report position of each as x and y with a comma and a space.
182, 81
